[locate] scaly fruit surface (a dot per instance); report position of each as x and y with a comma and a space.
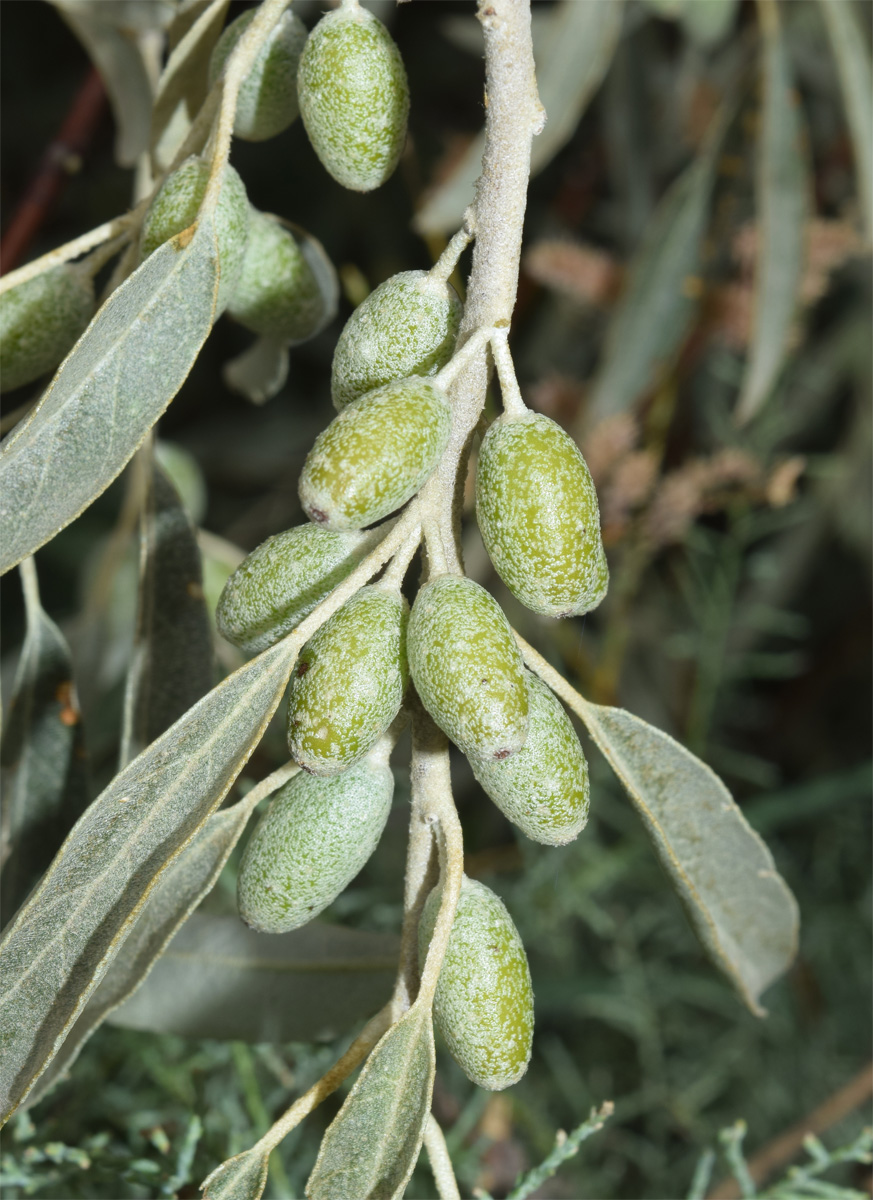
267, 101
483, 1004
538, 513
40, 322
277, 294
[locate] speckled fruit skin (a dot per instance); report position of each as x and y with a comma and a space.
467, 667
354, 97
175, 207
277, 294
544, 788
375, 454
267, 101
538, 513
40, 322
310, 844
283, 580
407, 326
349, 682
483, 1005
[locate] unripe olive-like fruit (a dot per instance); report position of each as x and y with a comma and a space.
467, 667
277, 294
267, 101
349, 681
407, 326
538, 513
40, 322
483, 1004
375, 454
176, 205
283, 580
354, 97
310, 844
544, 788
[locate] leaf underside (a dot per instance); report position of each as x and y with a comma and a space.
57, 950
372, 1146
108, 393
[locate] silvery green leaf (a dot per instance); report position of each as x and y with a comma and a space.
132, 15
57, 950
573, 50
738, 904
118, 54
856, 79
781, 198
42, 753
260, 371
242, 1177
220, 979
108, 393
184, 81
576, 52
171, 667
180, 889
655, 310
371, 1147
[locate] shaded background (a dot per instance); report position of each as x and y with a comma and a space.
738, 620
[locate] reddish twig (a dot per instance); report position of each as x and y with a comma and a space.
60, 160
785, 1147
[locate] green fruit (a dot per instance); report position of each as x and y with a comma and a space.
267, 101
277, 294
544, 788
537, 510
376, 454
354, 98
483, 1005
310, 844
407, 326
40, 322
283, 580
349, 681
175, 208
467, 667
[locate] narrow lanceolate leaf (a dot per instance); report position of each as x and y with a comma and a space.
180, 889
58, 948
654, 313
575, 56
572, 55
118, 54
171, 667
781, 194
42, 753
110, 390
849, 45
372, 1146
185, 82
738, 904
220, 979
242, 1177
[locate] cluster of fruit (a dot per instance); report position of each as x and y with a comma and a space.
536, 508
346, 80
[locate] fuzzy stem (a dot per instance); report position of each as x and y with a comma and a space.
270, 784
399, 565
448, 260
513, 404
79, 245
514, 116
30, 588
433, 783
440, 1162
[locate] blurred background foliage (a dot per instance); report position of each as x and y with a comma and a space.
738, 617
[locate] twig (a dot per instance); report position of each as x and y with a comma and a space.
59, 162
514, 115
787, 1145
